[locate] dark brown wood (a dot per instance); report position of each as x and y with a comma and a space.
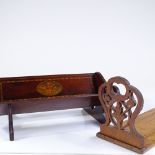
27, 87
96, 110
50, 92
11, 130
121, 111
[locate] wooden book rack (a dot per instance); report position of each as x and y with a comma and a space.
53, 92
121, 110
116, 113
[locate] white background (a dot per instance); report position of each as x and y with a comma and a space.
39, 37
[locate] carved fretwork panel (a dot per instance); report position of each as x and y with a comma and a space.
121, 110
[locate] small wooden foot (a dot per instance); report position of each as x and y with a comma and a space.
11, 130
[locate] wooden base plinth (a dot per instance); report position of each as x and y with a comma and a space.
115, 141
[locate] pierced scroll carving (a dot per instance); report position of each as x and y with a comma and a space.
121, 111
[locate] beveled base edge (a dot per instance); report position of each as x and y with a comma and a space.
125, 145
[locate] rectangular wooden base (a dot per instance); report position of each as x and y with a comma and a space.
115, 141
145, 125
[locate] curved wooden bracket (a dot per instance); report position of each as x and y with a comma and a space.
121, 111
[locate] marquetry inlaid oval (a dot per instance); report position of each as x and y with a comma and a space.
49, 88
